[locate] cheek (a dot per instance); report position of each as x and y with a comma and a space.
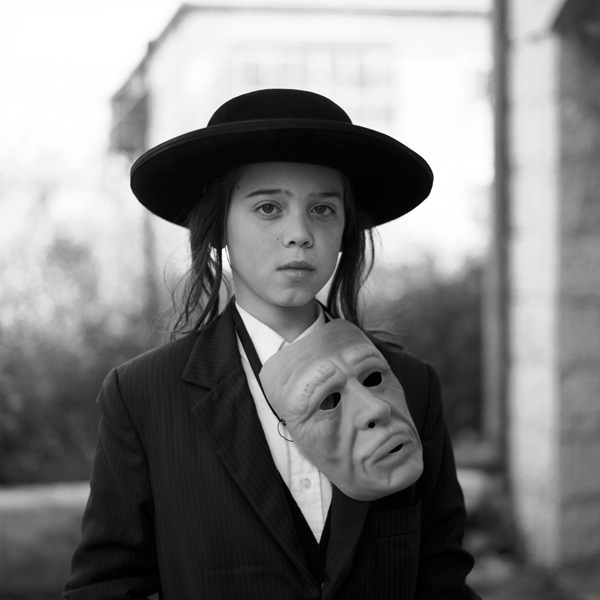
244, 252
394, 397
331, 235
232, 240
330, 436
334, 239
338, 439
322, 433
244, 236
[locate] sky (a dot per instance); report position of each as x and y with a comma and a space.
60, 63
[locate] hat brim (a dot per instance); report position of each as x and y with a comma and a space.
388, 178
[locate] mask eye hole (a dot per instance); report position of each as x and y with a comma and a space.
331, 401
373, 379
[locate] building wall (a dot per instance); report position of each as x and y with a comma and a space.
578, 328
419, 75
554, 387
412, 64
532, 391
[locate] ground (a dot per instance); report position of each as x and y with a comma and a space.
501, 570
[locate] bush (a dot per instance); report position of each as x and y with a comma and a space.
59, 341
437, 317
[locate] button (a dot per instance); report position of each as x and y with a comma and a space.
306, 483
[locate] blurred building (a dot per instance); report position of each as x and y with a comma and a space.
418, 70
548, 228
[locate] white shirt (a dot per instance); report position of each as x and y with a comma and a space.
309, 487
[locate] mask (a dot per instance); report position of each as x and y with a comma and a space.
345, 410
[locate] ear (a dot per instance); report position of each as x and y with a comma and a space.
221, 240
226, 248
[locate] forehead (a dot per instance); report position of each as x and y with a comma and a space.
336, 342
350, 350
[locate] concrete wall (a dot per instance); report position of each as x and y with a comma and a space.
532, 390
554, 386
578, 330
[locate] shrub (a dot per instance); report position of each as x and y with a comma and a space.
59, 341
437, 317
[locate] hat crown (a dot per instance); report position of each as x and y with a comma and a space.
265, 105
286, 125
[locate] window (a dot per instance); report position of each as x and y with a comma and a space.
359, 75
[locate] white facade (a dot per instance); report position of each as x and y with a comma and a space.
417, 71
554, 306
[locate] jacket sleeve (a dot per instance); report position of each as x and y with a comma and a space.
444, 565
116, 557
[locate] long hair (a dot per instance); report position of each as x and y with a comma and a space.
355, 262
204, 283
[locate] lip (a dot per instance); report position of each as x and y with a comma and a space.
297, 265
392, 446
396, 449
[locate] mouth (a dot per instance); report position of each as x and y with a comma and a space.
395, 444
396, 449
297, 265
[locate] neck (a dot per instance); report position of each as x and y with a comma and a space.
288, 322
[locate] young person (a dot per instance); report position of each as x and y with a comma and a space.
275, 450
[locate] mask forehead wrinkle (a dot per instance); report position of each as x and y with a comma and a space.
280, 375
357, 355
326, 345
320, 374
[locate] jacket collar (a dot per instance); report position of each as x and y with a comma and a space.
214, 355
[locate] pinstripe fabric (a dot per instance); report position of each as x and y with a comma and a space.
186, 500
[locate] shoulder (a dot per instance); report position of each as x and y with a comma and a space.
204, 357
146, 374
168, 355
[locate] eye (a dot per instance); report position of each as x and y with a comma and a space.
373, 379
267, 209
331, 401
323, 210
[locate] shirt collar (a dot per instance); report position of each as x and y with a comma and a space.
267, 341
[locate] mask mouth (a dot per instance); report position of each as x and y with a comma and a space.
396, 449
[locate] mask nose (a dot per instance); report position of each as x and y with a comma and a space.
372, 412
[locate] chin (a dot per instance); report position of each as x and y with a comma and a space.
297, 302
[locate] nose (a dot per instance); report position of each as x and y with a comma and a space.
297, 231
372, 412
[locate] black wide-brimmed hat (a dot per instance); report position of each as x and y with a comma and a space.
284, 125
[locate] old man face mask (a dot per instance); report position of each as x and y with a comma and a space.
345, 410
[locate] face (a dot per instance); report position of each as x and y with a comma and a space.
345, 410
284, 231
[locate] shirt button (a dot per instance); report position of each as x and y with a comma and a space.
306, 483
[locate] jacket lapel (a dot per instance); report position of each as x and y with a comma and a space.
227, 415
347, 521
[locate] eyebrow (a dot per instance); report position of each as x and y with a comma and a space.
362, 353
318, 376
276, 191
326, 195
267, 192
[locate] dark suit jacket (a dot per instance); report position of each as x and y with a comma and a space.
186, 499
